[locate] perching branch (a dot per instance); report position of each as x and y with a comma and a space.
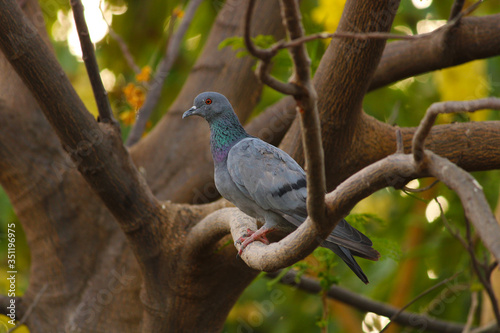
395, 170
100, 94
164, 68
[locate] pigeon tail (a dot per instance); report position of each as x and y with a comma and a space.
347, 257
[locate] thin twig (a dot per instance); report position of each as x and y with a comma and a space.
471, 314
369, 35
456, 8
463, 13
30, 308
325, 314
427, 122
468, 245
423, 189
400, 148
164, 68
264, 55
121, 43
419, 296
100, 94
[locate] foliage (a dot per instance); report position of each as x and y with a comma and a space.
392, 220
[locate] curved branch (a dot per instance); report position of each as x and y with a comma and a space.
435, 109
265, 56
471, 195
262, 54
395, 170
307, 106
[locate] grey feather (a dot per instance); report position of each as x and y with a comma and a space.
266, 183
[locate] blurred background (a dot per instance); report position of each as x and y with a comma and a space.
417, 250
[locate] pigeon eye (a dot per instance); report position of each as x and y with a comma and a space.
208, 101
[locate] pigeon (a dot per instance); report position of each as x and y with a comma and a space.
266, 183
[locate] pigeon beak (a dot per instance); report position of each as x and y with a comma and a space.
189, 112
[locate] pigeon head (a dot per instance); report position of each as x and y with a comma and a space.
209, 105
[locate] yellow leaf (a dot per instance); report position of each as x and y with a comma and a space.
461, 83
328, 13
127, 117
4, 323
178, 12
128, 90
144, 75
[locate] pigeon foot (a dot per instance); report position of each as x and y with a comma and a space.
252, 236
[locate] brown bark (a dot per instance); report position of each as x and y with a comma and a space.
112, 256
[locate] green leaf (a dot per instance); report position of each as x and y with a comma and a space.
388, 248
235, 43
359, 221
271, 283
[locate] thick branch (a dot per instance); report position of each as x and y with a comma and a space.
100, 94
474, 38
96, 150
166, 64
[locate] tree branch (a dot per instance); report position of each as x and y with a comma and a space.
362, 303
96, 149
427, 122
100, 94
476, 265
474, 38
307, 106
164, 68
265, 56
394, 317
456, 8
395, 170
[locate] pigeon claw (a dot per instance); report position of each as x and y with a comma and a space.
252, 236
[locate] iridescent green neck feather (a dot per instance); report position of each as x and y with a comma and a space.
225, 132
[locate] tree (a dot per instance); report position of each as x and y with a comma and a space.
119, 237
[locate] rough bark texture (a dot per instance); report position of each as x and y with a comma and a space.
112, 257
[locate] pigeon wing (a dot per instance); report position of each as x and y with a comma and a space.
270, 177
